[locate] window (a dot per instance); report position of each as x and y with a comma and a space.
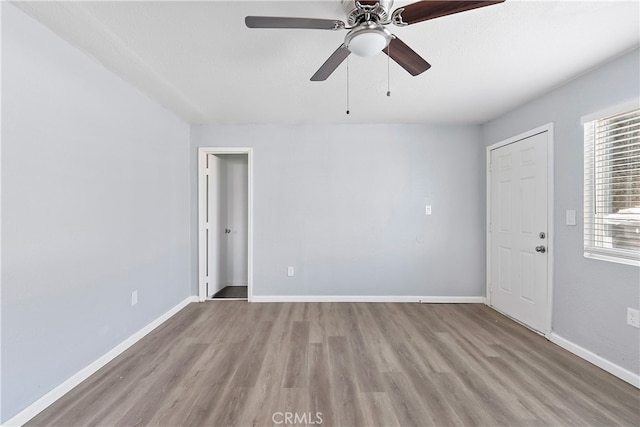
612, 185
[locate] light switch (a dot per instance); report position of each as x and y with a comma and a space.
427, 210
571, 217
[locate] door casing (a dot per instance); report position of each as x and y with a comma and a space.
202, 215
550, 209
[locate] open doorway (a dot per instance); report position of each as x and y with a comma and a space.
225, 223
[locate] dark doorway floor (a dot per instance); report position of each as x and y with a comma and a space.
235, 292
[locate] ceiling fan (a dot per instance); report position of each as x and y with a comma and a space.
367, 34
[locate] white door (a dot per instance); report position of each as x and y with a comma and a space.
216, 219
518, 234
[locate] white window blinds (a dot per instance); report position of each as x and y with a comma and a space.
612, 187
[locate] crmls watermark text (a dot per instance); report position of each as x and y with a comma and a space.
307, 418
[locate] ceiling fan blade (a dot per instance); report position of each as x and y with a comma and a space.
430, 9
406, 57
331, 64
303, 23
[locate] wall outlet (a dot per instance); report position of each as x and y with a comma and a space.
134, 297
633, 317
427, 210
290, 271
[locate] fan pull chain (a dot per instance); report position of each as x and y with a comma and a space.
388, 70
347, 85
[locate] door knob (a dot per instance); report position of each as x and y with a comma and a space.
541, 249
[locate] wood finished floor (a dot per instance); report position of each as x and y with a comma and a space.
360, 364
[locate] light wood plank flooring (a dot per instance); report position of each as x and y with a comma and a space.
232, 363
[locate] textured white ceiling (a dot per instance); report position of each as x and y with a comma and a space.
199, 60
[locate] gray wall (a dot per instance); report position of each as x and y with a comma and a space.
95, 204
345, 205
590, 296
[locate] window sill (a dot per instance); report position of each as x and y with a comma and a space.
612, 258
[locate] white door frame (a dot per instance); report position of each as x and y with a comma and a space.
550, 230
202, 209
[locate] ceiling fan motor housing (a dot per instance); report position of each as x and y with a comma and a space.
357, 11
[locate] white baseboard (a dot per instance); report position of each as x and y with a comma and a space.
452, 300
41, 404
612, 368
365, 298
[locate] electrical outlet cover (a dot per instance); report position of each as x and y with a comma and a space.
633, 317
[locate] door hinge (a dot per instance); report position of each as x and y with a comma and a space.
206, 225
206, 171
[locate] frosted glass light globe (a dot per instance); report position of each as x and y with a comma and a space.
367, 39
367, 44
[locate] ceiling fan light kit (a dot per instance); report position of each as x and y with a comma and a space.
367, 39
367, 34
